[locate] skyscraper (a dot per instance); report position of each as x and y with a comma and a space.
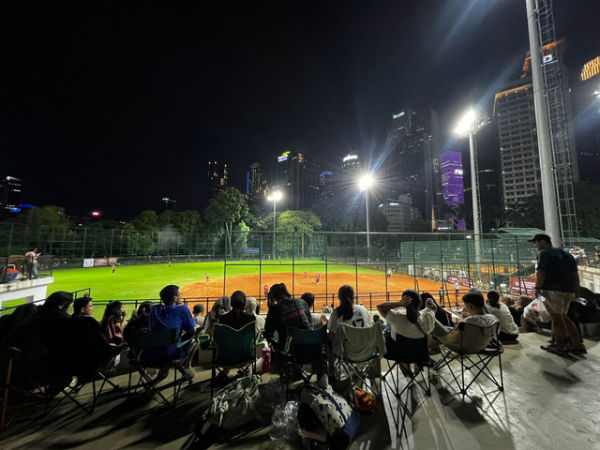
256, 182
298, 177
11, 193
326, 185
409, 169
451, 171
218, 174
587, 122
519, 159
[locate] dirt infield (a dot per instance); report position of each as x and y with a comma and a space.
367, 283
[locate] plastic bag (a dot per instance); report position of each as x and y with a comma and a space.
285, 422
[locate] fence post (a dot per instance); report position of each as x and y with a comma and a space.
518, 271
493, 265
294, 245
326, 268
355, 264
370, 300
260, 290
414, 252
83, 245
468, 263
385, 261
225, 266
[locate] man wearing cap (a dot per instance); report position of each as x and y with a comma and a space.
557, 280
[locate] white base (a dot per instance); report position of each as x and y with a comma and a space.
32, 290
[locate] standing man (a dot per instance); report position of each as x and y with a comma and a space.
206, 277
317, 277
266, 289
557, 281
389, 273
31, 263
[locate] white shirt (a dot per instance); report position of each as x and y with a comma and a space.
507, 323
483, 320
360, 319
402, 326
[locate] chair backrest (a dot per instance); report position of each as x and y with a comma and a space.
361, 344
470, 338
305, 345
144, 339
234, 347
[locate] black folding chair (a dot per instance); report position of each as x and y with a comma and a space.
474, 348
408, 357
232, 349
305, 355
148, 341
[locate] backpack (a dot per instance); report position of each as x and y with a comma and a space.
236, 405
337, 416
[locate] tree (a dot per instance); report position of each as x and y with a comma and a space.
226, 209
147, 221
296, 221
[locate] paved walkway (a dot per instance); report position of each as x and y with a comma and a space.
549, 403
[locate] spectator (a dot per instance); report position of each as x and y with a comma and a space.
309, 298
113, 322
509, 332
252, 308
558, 281
220, 307
347, 312
138, 322
83, 307
474, 314
169, 315
414, 324
237, 318
441, 315
522, 302
284, 312
198, 313
510, 304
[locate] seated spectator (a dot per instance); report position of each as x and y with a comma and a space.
166, 316
198, 313
138, 322
414, 324
252, 308
57, 305
522, 302
474, 314
284, 312
113, 322
510, 304
83, 307
309, 298
509, 332
10, 322
236, 318
347, 312
219, 308
441, 314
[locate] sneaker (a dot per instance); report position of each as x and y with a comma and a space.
578, 349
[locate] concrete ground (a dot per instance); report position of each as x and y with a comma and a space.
549, 402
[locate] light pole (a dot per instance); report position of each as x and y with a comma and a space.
274, 197
364, 184
549, 198
470, 123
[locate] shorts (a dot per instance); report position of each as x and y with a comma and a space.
558, 302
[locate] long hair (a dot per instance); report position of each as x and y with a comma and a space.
279, 292
346, 296
113, 309
412, 310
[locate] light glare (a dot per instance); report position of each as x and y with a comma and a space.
466, 124
275, 196
366, 182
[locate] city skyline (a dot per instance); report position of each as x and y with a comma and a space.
93, 120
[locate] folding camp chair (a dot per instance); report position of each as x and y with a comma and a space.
303, 349
145, 341
359, 351
408, 357
474, 348
77, 348
232, 349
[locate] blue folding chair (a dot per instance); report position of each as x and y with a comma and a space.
303, 348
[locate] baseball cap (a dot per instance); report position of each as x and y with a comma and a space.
540, 237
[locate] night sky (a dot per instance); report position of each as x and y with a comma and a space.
112, 105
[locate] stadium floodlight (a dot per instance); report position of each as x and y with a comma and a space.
274, 197
366, 182
468, 125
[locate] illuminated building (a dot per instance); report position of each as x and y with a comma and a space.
587, 123
451, 172
11, 189
256, 182
400, 215
409, 169
218, 174
298, 178
350, 164
326, 185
